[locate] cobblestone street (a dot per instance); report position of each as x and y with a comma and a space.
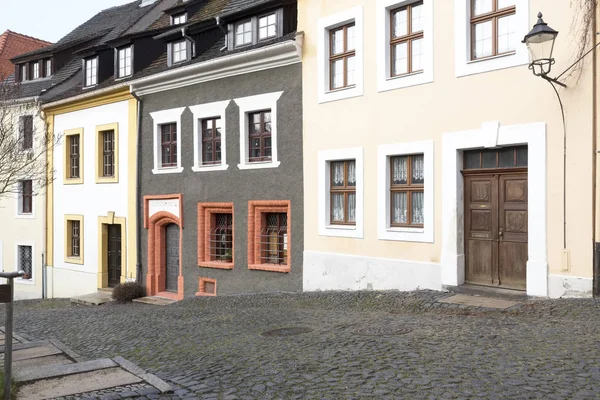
354, 345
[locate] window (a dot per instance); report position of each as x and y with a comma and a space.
259, 136
48, 68
215, 235
74, 239
269, 232
406, 187
493, 27
405, 192
341, 57
23, 72
243, 33
488, 35
167, 143
179, 19
91, 71
267, 26
211, 141
26, 206
507, 157
108, 153
35, 70
343, 192
407, 39
124, 60
25, 261
179, 51
74, 156
26, 128
340, 193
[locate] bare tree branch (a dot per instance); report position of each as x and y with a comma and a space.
584, 30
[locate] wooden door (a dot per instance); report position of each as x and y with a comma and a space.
114, 255
171, 257
496, 229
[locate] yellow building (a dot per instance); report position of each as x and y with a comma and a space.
434, 157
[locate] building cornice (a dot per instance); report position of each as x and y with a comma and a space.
273, 56
96, 98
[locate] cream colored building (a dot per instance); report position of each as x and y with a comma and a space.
482, 200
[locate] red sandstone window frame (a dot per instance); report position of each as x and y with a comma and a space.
202, 287
206, 212
257, 211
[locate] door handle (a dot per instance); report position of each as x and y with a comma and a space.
500, 234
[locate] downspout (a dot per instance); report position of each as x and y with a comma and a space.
225, 31
596, 245
138, 192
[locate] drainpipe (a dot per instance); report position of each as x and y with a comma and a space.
138, 192
225, 31
596, 230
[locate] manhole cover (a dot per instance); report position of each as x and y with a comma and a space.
289, 331
381, 331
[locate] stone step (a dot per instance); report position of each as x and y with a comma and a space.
77, 383
93, 299
55, 371
30, 363
155, 301
33, 352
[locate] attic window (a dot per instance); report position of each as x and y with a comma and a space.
179, 52
91, 71
124, 61
179, 19
35, 70
243, 33
23, 72
267, 26
48, 67
255, 29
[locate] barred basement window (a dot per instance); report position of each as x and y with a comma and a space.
273, 239
221, 238
26, 261
108, 153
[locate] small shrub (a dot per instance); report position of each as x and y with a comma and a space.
126, 292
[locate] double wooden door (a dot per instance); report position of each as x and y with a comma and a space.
496, 229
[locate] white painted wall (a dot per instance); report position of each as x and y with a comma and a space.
25, 230
89, 199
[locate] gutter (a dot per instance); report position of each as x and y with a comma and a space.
84, 96
138, 192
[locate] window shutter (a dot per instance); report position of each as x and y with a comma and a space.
169, 54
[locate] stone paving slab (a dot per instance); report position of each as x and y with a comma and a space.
59, 370
479, 301
93, 299
155, 301
78, 383
34, 352
41, 361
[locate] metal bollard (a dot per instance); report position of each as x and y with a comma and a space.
6, 296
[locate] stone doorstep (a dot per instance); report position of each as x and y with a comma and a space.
93, 299
478, 301
34, 352
155, 300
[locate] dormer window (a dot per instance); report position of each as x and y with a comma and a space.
124, 62
48, 68
91, 71
179, 19
23, 72
267, 26
243, 33
256, 29
179, 51
35, 70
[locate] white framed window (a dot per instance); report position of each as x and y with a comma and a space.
48, 68
25, 261
250, 106
179, 19
210, 149
91, 71
23, 72
404, 43
352, 161
267, 26
243, 33
405, 189
179, 52
352, 21
36, 70
474, 48
124, 58
167, 141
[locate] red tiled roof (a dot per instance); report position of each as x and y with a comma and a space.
13, 44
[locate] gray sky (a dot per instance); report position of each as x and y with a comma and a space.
49, 19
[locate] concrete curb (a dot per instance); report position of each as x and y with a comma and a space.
69, 353
137, 371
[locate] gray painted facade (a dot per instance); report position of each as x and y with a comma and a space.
233, 185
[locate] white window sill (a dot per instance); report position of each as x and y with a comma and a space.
120, 78
405, 230
484, 59
25, 216
259, 165
89, 87
404, 81
406, 235
25, 281
161, 171
347, 231
340, 94
206, 168
493, 63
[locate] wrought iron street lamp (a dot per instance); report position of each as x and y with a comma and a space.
540, 42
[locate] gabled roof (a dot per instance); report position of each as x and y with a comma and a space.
13, 44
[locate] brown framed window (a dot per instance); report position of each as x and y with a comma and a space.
74, 153
26, 197
343, 192
75, 238
260, 136
108, 153
506, 157
26, 132
221, 237
407, 182
406, 39
168, 143
274, 239
211, 141
341, 57
26, 261
493, 28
